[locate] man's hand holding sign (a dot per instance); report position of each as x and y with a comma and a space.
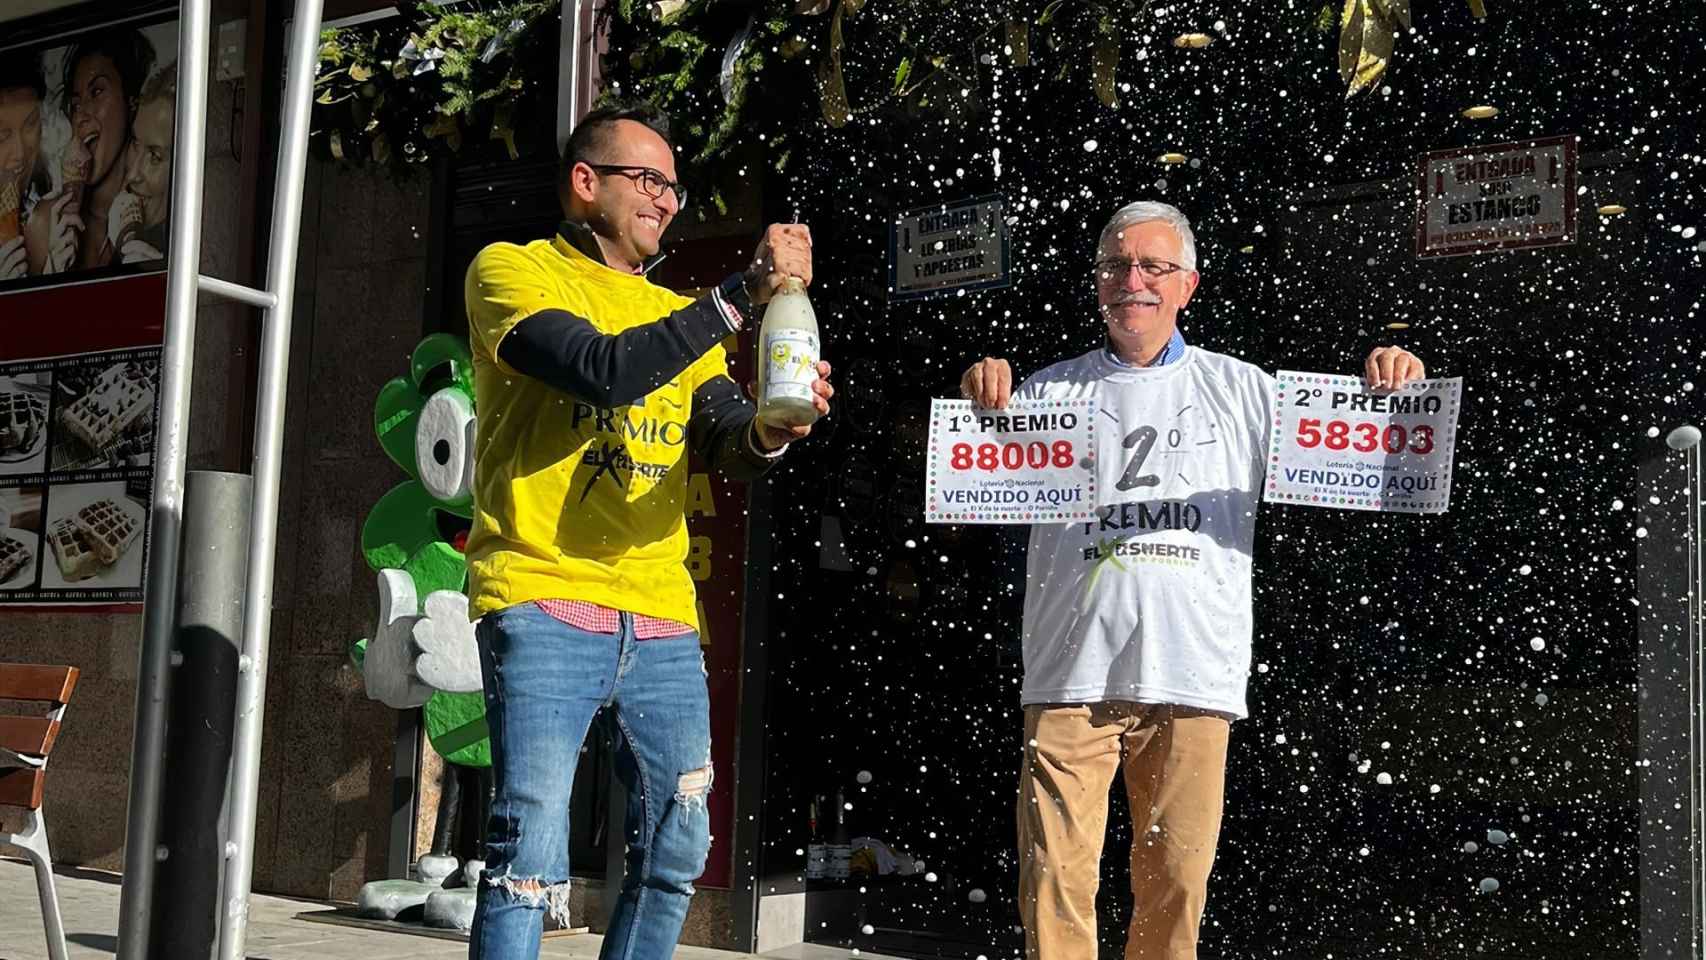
1023, 463
1337, 444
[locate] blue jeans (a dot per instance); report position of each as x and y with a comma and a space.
544, 681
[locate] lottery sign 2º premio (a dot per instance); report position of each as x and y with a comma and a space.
1337, 444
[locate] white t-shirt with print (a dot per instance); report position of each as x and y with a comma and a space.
1152, 602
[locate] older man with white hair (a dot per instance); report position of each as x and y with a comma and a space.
1137, 625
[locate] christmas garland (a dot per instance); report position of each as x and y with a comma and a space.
435, 80
447, 80
773, 69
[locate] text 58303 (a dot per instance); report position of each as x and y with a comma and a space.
1365, 437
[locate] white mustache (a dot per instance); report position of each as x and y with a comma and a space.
1146, 299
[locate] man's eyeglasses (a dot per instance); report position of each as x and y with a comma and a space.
651, 181
1118, 268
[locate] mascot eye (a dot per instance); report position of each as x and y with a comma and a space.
444, 445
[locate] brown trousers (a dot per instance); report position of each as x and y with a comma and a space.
1174, 761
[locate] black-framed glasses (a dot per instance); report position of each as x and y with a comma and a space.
650, 180
1118, 268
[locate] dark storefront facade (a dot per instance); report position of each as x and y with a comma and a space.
1459, 741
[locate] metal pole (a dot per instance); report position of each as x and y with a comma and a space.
1686, 438
304, 46
568, 72
183, 258
1669, 673
1698, 654
204, 692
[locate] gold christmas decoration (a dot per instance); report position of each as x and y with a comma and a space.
833, 89
446, 126
1172, 158
1103, 63
1366, 31
1019, 42
1612, 209
1481, 112
1192, 41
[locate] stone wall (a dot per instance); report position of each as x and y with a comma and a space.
326, 768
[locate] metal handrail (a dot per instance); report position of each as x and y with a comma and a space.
183, 284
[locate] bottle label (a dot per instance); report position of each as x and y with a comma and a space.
790, 364
840, 865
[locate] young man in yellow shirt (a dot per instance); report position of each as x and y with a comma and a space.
592, 383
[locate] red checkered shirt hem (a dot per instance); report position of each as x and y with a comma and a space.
598, 618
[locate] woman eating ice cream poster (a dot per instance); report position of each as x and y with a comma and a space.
86, 149
103, 78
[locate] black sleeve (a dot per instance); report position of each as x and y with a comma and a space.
611, 370
720, 427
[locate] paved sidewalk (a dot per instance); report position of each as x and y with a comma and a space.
89, 901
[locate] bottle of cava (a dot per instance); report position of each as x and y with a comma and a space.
787, 358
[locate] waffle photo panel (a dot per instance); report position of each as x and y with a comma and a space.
25, 398
93, 542
20, 537
103, 413
91, 116
76, 473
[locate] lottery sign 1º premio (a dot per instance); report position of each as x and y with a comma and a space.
1336, 444
1029, 463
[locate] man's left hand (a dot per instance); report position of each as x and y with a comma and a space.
772, 438
1390, 368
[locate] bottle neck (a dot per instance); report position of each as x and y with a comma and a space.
793, 285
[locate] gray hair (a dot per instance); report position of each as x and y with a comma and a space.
1145, 211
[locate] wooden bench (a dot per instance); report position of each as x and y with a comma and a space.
25, 743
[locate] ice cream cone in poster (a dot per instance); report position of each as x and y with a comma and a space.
75, 166
124, 220
8, 210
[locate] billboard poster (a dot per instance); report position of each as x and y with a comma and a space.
86, 131
86, 155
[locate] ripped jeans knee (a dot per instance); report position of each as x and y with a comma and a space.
533, 893
693, 788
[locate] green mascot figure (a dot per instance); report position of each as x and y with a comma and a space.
422, 653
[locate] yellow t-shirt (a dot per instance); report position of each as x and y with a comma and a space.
573, 501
